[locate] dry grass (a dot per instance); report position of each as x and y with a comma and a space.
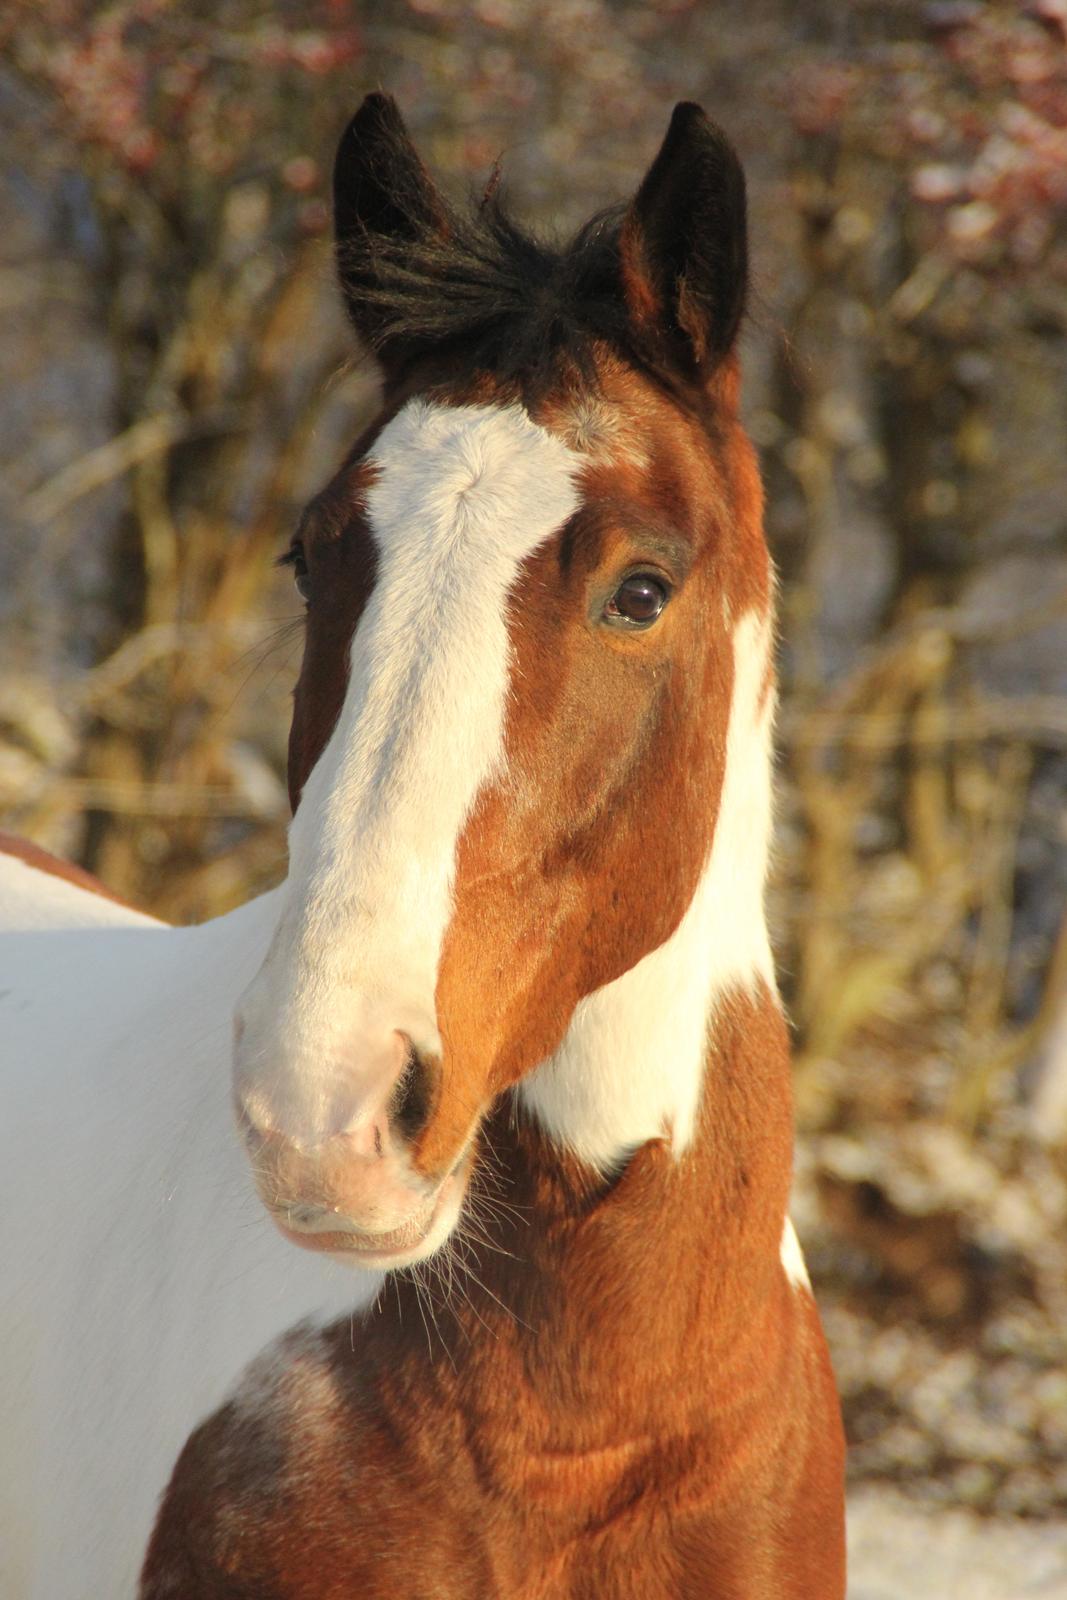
162, 766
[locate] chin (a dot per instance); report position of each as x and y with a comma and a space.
404, 1246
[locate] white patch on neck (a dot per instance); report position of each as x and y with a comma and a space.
462, 495
631, 1066
793, 1258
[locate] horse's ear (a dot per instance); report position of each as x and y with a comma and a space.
684, 246
384, 202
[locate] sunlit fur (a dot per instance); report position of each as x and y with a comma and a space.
368, 899
458, 497
793, 1258
140, 1273
631, 1067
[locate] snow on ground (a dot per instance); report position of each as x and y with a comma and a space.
899, 1550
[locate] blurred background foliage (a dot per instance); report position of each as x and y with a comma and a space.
178, 381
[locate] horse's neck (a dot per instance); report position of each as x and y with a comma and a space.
600, 1292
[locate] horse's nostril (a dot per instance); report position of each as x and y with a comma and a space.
412, 1099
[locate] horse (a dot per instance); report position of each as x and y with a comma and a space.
517, 1310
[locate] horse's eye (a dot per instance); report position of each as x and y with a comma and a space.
295, 558
638, 600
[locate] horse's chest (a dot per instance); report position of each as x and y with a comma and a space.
319, 1501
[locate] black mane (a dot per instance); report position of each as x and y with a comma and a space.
483, 288
662, 282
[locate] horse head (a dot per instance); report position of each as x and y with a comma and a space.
529, 752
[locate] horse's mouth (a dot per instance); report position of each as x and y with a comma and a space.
316, 1228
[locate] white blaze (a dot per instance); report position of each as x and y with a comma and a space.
631, 1065
462, 495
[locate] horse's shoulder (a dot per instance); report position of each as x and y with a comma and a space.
307, 1441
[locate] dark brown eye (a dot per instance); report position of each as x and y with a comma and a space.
638, 600
294, 557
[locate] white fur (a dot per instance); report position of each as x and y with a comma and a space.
793, 1258
138, 1272
462, 495
631, 1066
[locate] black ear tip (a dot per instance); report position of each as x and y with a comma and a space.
691, 123
683, 241
378, 117
377, 108
686, 115
373, 155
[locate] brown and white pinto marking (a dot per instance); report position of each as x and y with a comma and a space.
518, 1019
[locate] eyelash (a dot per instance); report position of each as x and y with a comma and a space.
295, 558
